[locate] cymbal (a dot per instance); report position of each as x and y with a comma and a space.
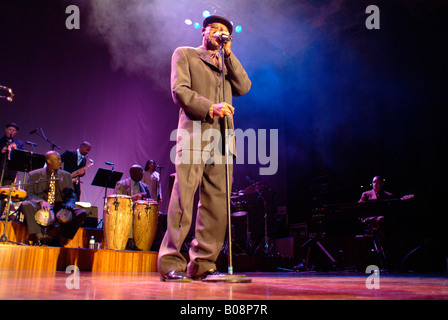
239, 213
254, 187
236, 194
16, 193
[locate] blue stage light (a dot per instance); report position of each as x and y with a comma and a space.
238, 29
197, 25
205, 14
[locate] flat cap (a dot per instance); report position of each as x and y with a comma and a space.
219, 19
12, 124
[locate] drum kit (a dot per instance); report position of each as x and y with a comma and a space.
239, 203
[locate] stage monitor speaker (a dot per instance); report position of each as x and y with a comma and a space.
92, 217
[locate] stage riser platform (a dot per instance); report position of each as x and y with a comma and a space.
14, 257
18, 232
74, 252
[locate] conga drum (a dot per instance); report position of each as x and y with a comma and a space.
44, 217
146, 215
117, 221
64, 215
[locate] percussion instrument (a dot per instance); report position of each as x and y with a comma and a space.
238, 205
146, 215
15, 193
64, 215
44, 217
117, 221
239, 208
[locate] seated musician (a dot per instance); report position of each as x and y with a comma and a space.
373, 225
377, 193
133, 186
136, 189
51, 188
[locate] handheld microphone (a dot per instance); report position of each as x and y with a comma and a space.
223, 38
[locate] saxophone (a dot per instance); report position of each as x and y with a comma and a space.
75, 174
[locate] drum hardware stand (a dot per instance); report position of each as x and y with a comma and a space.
225, 247
4, 237
249, 243
264, 246
372, 227
230, 277
315, 240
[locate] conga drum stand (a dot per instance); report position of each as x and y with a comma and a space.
230, 277
106, 179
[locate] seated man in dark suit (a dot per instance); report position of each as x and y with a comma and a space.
133, 186
48, 189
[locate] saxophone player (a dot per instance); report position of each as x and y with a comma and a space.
76, 161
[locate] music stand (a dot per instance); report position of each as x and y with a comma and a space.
106, 179
26, 161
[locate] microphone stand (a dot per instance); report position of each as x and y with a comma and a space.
159, 183
230, 277
100, 224
53, 145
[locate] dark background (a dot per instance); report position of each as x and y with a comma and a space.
348, 103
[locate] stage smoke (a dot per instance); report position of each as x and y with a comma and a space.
141, 35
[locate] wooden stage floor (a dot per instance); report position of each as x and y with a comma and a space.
59, 285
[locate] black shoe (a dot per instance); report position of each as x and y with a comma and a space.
175, 276
211, 272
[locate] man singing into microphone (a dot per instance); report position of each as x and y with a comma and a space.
196, 84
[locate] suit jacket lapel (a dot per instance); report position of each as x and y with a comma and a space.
206, 57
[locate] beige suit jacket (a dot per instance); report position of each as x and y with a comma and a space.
196, 85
